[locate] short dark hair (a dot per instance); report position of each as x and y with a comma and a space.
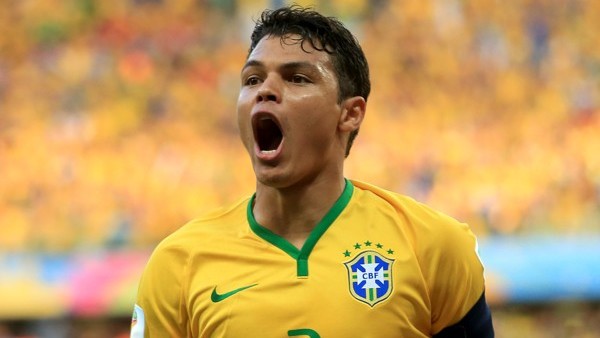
326, 34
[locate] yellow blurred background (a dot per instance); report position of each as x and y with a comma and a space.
117, 125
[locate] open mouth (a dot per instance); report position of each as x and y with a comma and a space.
267, 133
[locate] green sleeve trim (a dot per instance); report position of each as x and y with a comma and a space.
301, 256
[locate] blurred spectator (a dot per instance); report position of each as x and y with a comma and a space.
117, 119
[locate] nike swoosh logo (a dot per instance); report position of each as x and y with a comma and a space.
218, 297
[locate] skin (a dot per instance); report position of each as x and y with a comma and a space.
299, 182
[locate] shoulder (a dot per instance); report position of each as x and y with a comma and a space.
203, 230
420, 221
170, 259
445, 248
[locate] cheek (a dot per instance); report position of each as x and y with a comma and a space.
317, 133
243, 120
322, 120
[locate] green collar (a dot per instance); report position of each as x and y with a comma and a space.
301, 256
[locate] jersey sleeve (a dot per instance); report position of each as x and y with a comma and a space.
452, 270
476, 323
160, 307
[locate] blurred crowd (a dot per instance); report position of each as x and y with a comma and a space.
118, 124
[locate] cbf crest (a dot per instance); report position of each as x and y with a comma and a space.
370, 276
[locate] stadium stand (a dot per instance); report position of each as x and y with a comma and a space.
117, 118
118, 123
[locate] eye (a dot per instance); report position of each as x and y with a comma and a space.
252, 80
298, 78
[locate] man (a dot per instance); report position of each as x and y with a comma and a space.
311, 253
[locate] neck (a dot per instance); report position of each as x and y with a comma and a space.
293, 212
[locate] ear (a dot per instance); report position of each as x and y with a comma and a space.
353, 113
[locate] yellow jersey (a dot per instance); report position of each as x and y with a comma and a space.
379, 264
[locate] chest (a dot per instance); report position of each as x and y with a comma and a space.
365, 281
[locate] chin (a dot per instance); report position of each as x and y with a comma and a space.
273, 177
272, 181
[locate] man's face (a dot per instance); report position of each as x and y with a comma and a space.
288, 113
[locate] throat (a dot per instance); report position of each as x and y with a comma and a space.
298, 215
295, 228
296, 239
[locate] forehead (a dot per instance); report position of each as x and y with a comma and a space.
289, 48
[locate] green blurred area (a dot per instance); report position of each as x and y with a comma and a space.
117, 122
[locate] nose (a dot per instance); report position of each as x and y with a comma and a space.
268, 91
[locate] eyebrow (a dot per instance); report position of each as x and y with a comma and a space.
284, 66
252, 63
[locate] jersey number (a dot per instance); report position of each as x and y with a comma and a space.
303, 332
